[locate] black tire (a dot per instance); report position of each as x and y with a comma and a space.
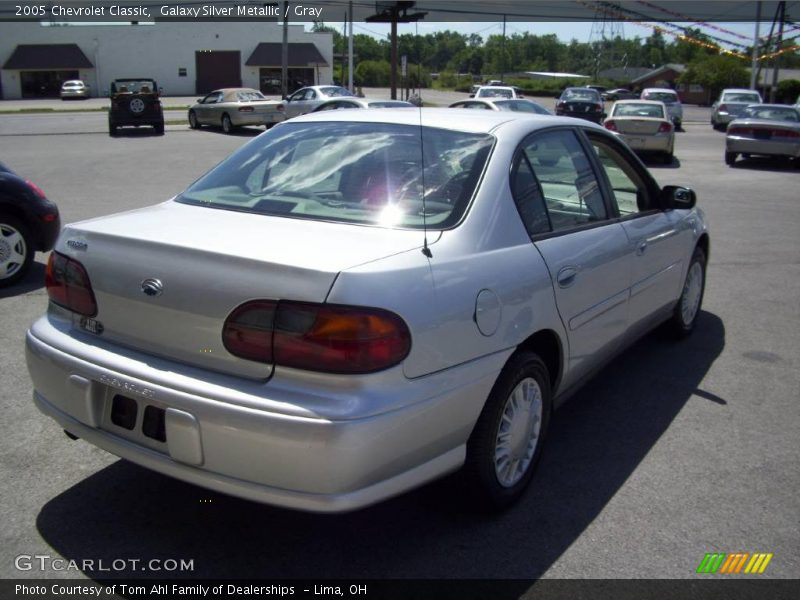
666, 158
227, 126
113, 131
523, 374
193, 122
684, 318
159, 128
730, 158
16, 250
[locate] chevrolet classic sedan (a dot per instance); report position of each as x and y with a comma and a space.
358, 302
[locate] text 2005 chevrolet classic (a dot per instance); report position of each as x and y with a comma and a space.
358, 302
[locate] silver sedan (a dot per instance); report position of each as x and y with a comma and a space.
353, 102
511, 104
308, 98
357, 302
233, 107
765, 130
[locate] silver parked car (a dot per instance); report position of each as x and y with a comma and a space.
357, 302
644, 125
308, 98
234, 107
764, 130
731, 104
353, 102
74, 88
522, 105
670, 99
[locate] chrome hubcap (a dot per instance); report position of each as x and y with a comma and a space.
690, 300
518, 432
12, 251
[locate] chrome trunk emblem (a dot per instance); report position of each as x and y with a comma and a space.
152, 287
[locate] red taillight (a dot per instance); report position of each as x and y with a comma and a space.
561, 105
36, 189
598, 107
664, 128
317, 337
785, 133
610, 125
723, 108
279, 108
246, 109
68, 285
740, 131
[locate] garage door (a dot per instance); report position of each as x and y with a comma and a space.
217, 69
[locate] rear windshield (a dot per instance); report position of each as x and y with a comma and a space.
521, 106
638, 110
334, 91
249, 96
580, 94
741, 97
365, 173
495, 93
773, 113
666, 97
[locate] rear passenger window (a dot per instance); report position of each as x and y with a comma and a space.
566, 182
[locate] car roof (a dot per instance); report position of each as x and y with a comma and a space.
635, 101
442, 118
740, 90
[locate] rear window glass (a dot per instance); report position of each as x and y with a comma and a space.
666, 97
639, 110
741, 97
365, 173
250, 96
581, 94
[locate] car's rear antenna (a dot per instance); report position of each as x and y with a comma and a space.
425, 249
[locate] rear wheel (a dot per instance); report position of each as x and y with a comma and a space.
505, 446
16, 250
159, 128
730, 158
227, 126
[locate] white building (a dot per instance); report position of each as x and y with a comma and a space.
185, 58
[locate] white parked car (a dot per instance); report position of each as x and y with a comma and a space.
74, 88
645, 126
357, 302
495, 92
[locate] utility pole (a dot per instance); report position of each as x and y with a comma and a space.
350, 53
285, 52
390, 12
754, 64
503, 52
782, 17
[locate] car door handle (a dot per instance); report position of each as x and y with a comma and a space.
641, 248
566, 276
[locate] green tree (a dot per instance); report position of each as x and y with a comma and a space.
715, 73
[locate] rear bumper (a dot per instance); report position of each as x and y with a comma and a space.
268, 448
256, 119
648, 143
743, 145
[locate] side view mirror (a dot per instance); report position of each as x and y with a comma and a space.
472, 95
677, 197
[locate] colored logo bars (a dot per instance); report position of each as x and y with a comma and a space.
720, 562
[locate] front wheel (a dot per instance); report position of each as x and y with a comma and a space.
506, 443
687, 309
16, 250
193, 122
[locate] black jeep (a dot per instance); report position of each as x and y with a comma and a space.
135, 102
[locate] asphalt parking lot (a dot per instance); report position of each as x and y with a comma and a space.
675, 450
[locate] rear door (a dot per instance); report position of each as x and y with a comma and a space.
560, 199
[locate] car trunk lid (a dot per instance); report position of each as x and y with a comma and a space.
166, 277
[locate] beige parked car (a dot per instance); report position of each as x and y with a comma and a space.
233, 107
644, 125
